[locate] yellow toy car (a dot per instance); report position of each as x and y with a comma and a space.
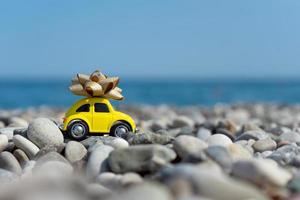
96, 115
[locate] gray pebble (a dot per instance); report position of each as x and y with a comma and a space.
140, 158
43, 132
9, 162
185, 145
264, 145
75, 151
27, 146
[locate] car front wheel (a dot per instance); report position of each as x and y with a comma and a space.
120, 129
77, 130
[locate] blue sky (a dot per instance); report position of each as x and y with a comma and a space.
166, 38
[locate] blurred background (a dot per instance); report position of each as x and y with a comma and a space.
166, 52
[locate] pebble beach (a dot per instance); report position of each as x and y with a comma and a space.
223, 152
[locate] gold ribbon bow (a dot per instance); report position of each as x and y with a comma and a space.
96, 85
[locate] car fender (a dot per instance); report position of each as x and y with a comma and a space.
75, 118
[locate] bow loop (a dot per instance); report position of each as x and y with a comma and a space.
96, 85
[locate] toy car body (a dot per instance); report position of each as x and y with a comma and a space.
96, 115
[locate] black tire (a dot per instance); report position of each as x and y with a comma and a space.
119, 129
77, 126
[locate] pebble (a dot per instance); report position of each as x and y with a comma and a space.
7, 176
264, 145
290, 137
43, 131
220, 155
27, 146
9, 131
219, 140
285, 154
209, 184
237, 152
21, 156
140, 158
264, 173
17, 122
3, 142
182, 121
185, 145
255, 135
118, 181
97, 161
148, 138
130, 178
2, 124
203, 133
145, 191
9, 162
53, 169
114, 142
75, 151
50, 156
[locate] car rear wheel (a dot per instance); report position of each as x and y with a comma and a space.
120, 129
78, 130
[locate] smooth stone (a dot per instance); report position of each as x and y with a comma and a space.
7, 176
26, 145
109, 180
220, 155
250, 127
43, 132
3, 142
9, 162
187, 130
114, 142
140, 158
47, 149
290, 137
207, 183
9, 131
148, 138
219, 140
157, 125
171, 133
96, 191
225, 132
285, 154
264, 145
182, 121
261, 172
130, 178
53, 168
145, 191
22, 132
28, 168
75, 151
21, 156
17, 122
255, 135
237, 151
97, 161
228, 125
185, 145
2, 124
51, 156
203, 133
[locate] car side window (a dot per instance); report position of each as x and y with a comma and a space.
101, 107
84, 108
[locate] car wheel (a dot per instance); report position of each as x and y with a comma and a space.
120, 130
78, 130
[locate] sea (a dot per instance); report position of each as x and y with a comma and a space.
178, 92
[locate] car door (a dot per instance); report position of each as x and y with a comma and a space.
101, 117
